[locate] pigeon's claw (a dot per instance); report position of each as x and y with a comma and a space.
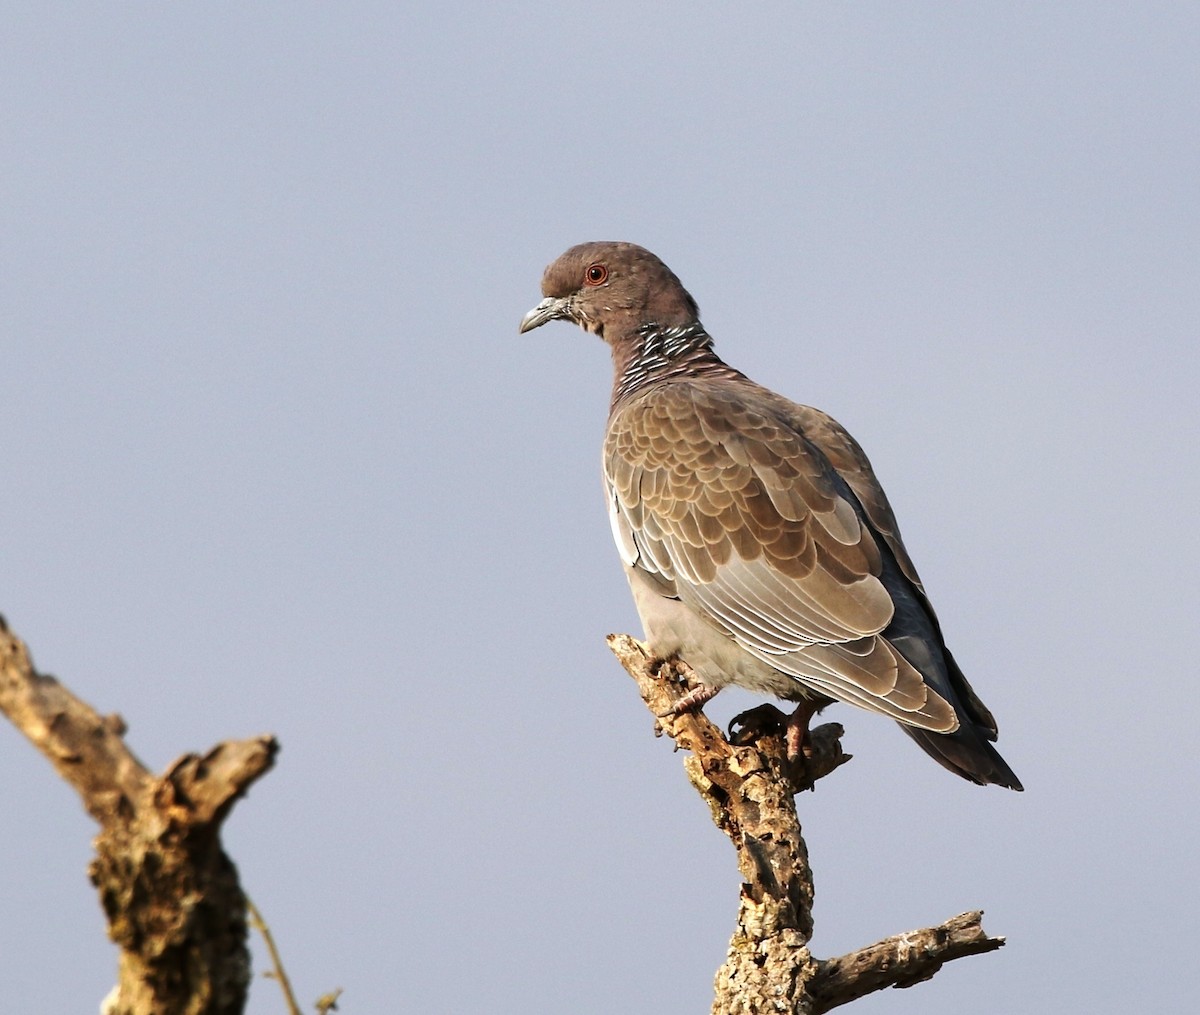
762, 719
693, 701
769, 719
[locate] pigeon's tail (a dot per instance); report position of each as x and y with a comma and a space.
969, 750
966, 752
915, 632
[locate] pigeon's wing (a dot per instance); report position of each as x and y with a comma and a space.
745, 521
850, 461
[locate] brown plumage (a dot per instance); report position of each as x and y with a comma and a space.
758, 543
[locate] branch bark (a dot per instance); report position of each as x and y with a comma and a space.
750, 788
900, 961
171, 895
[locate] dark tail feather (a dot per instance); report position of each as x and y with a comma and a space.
916, 634
966, 752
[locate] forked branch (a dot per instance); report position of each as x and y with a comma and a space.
750, 789
170, 893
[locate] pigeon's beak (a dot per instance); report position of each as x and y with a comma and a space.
552, 308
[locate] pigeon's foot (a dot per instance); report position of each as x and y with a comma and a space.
675, 670
769, 719
810, 755
693, 701
745, 726
795, 733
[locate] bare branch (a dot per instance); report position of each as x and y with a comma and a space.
170, 893
750, 789
84, 747
900, 961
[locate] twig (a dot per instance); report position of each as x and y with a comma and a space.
277, 972
328, 1002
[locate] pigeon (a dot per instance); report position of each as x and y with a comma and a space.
759, 546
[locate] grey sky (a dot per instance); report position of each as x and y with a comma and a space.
277, 460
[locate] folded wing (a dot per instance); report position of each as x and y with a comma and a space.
736, 513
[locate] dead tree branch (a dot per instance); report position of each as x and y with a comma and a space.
750, 790
900, 961
170, 893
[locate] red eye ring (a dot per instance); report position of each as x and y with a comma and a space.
596, 274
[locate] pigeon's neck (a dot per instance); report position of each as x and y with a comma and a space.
654, 353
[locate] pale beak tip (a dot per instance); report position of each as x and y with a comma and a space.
550, 309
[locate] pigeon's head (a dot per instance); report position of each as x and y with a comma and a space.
612, 290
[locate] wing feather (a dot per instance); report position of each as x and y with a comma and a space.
748, 523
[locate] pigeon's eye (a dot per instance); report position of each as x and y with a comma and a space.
595, 275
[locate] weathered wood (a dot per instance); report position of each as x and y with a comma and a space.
900, 961
171, 895
750, 788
